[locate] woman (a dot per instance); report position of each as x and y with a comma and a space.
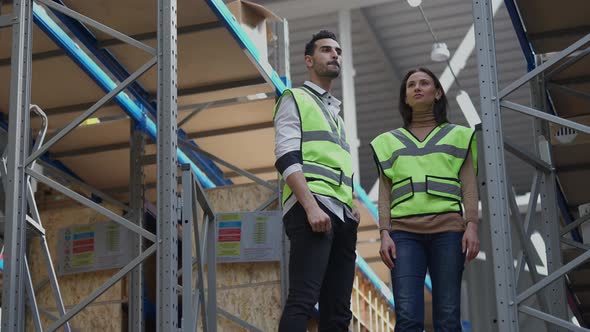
427, 169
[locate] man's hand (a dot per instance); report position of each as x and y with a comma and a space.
470, 241
387, 250
318, 220
356, 213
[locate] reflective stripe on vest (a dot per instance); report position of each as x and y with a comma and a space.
424, 174
403, 190
339, 139
327, 164
413, 150
338, 178
324, 136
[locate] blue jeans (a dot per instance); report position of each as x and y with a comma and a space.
441, 254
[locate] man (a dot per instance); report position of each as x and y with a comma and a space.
320, 219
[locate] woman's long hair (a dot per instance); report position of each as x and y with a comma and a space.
440, 105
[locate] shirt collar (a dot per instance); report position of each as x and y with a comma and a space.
323, 93
316, 88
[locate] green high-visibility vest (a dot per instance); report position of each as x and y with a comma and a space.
425, 175
327, 164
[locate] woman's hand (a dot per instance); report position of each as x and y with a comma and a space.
470, 241
387, 250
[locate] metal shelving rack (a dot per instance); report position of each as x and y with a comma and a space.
550, 292
155, 119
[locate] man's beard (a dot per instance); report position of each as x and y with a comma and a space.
331, 74
327, 72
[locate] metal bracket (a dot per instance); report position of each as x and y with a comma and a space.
7, 20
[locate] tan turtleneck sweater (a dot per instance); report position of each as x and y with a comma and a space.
422, 124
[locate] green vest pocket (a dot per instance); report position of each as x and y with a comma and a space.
315, 171
443, 187
402, 191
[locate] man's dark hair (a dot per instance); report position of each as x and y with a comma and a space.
322, 34
440, 106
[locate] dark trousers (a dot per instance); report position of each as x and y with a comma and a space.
321, 269
442, 255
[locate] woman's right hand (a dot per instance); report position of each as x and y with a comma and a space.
387, 250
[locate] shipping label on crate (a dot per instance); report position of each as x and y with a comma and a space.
249, 236
84, 248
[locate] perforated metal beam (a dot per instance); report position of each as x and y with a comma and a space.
13, 292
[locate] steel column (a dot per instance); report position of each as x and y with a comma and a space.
188, 312
136, 202
479, 274
211, 232
493, 157
32, 299
167, 221
199, 294
348, 94
279, 52
13, 296
549, 226
281, 63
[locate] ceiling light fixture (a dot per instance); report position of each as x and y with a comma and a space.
440, 52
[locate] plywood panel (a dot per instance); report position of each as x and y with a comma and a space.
580, 138
576, 69
41, 43
543, 16
58, 121
367, 219
87, 136
368, 235
271, 176
568, 104
248, 290
368, 249
251, 149
106, 313
204, 58
109, 170
137, 16
381, 270
225, 94
575, 184
252, 290
61, 82
230, 116
570, 155
55, 82
102, 170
